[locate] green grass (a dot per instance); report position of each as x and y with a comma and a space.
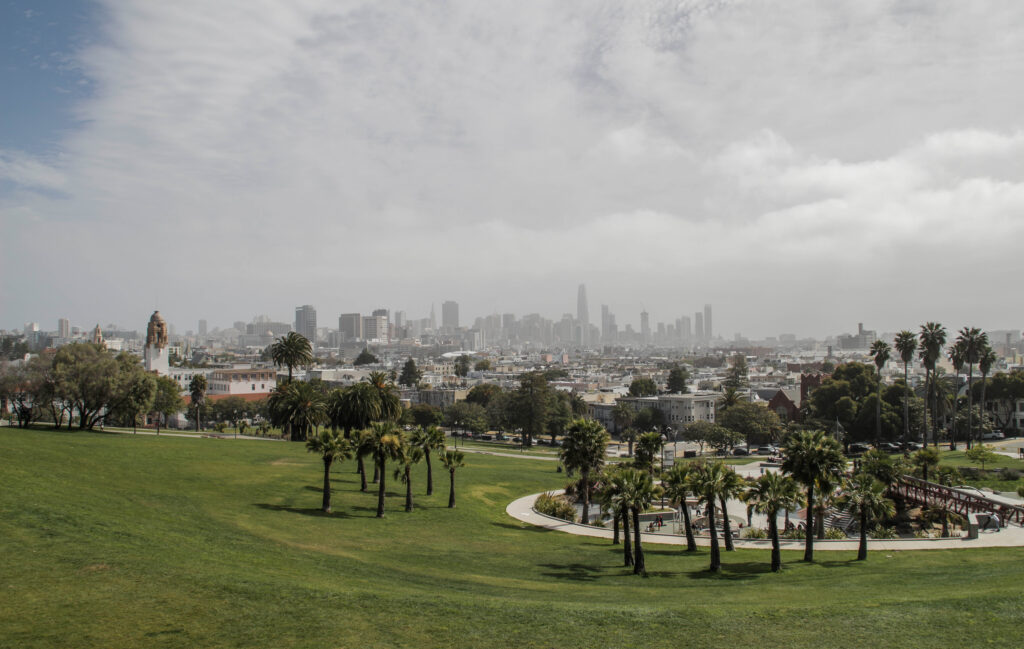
121, 541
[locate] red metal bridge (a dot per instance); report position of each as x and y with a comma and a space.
931, 494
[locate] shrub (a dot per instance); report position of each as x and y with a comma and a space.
1006, 473
883, 533
1020, 491
755, 533
835, 533
794, 533
556, 506
923, 534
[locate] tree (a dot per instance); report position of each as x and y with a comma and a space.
932, 338
880, 354
708, 482
677, 483
648, 448
298, 407
865, 497
424, 415
462, 366
197, 393
722, 439
409, 456
615, 496
529, 405
466, 416
365, 358
957, 357
643, 387
981, 454
637, 493
390, 403
756, 423
354, 407
482, 365
429, 439
291, 350
332, 448
133, 396
362, 447
386, 442
925, 459
167, 401
677, 381
769, 494
985, 363
483, 393
974, 342
811, 456
906, 344
622, 417
732, 487
736, 377
411, 375
452, 460
583, 450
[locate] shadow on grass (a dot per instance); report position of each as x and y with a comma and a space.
521, 527
300, 510
735, 571
573, 571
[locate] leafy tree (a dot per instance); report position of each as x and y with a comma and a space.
811, 456
906, 345
167, 401
981, 454
482, 365
365, 358
530, 405
133, 397
462, 366
291, 350
754, 422
736, 377
643, 387
678, 378
332, 448
197, 393
297, 407
880, 354
428, 439
24, 388
932, 338
769, 494
452, 460
703, 432
411, 375
482, 393
865, 497
622, 416
466, 416
974, 342
677, 482
424, 414
386, 442
722, 439
583, 450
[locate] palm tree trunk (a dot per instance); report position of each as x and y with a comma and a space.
924, 422
984, 384
809, 525
585, 484
970, 404
376, 473
627, 546
691, 543
638, 551
361, 469
380, 489
615, 528
726, 526
773, 532
716, 555
956, 394
451, 489
408, 488
906, 407
862, 549
327, 486
430, 472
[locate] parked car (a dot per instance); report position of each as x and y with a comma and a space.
857, 448
995, 434
487, 438
888, 447
766, 450
741, 450
914, 446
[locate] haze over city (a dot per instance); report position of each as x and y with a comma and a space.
802, 166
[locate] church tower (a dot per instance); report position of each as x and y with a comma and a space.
155, 356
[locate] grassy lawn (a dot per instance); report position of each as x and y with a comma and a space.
139, 541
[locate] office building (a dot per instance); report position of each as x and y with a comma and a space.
202, 327
350, 325
63, 328
698, 326
708, 334
583, 315
305, 322
450, 315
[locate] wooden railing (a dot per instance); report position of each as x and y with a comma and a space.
930, 493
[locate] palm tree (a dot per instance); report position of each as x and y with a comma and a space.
809, 457
331, 447
291, 350
677, 484
452, 460
410, 455
957, 356
638, 491
647, 449
299, 406
932, 339
708, 482
613, 492
925, 459
390, 403
362, 446
865, 497
732, 486
906, 345
974, 342
622, 415
429, 439
769, 494
880, 354
985, 363
387, 442
583, 450
197, 392
354, 407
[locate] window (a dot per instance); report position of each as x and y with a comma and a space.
253, 387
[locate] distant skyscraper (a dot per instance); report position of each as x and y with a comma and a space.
583, 315
375, 328
645, 327
698, 326
685, 328
202, 327
305, 322
351, 326
605, 322
64, 328
708, 334
450, 314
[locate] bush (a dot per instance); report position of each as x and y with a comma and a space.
556, 506
835, 533
794, 533
923, 534
755, 533
883, 533
1020, 491
1006, 473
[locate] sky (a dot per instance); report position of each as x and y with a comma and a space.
803, 166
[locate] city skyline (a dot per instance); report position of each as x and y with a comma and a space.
854, 163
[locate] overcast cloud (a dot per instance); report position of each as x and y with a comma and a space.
801, 165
